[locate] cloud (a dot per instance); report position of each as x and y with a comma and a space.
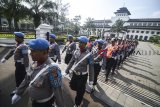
156, 14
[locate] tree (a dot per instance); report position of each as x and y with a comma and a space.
118, 27
89, 25
41, 10
13, 9
76, 21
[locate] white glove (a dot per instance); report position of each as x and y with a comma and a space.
15, 98
3, 60
90, 82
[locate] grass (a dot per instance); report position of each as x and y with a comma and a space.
158, 45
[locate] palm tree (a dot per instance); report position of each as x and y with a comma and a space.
118, 27
41, 10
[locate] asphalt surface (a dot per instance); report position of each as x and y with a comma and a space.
7, 84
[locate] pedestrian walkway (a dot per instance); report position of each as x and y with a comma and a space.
136, 84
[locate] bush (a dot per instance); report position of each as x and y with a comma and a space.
154, 39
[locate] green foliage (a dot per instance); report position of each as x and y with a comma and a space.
155, 39
9, 35
118, 27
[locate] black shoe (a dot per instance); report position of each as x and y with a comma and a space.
106, 80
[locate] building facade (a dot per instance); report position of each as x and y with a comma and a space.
141, 29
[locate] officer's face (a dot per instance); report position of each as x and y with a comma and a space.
51, 39
38, 55
17, 39
82, 45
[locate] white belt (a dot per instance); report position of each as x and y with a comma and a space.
45, 100
19, 61
79, 73
69, 52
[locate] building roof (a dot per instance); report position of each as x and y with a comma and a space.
145, 20
144, 27
123, 10
102, 21
103, 26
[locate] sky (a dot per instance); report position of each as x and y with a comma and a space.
104, 9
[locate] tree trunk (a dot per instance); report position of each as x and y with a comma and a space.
16, 24
10, 22
37, 20
0, 22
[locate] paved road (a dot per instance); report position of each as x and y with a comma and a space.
7, 84
137, 83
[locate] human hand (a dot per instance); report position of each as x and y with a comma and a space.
3, 60
15, 98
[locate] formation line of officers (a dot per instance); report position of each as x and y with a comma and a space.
43, 77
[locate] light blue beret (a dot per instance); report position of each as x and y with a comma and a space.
53, 36
19, 34
39, 44
70, 36
83, 39
100, 41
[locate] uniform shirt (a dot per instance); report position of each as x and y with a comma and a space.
98, 54
82, 67
20, 52
54, 51
42, 87
70, 48
111, 51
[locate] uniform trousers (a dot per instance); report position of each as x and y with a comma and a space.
68, 58
20, 73
97, 69
109, 64
78, 84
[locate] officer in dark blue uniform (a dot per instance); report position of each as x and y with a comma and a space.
78, 65
70, 47
54, 50
44, 79
21, 59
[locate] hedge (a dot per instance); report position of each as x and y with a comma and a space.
27, 36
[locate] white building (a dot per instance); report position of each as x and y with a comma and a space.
141, 29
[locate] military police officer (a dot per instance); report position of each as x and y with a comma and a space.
99, 58
44, 79
21, 59
54, 50
78, 65
70, 47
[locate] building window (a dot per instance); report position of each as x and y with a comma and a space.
158, 33
131, 24
128, 31
144, 23
132, 31
137, 31
142, 31
154, 24
147, 32
152, 32
139, 24
149, 23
